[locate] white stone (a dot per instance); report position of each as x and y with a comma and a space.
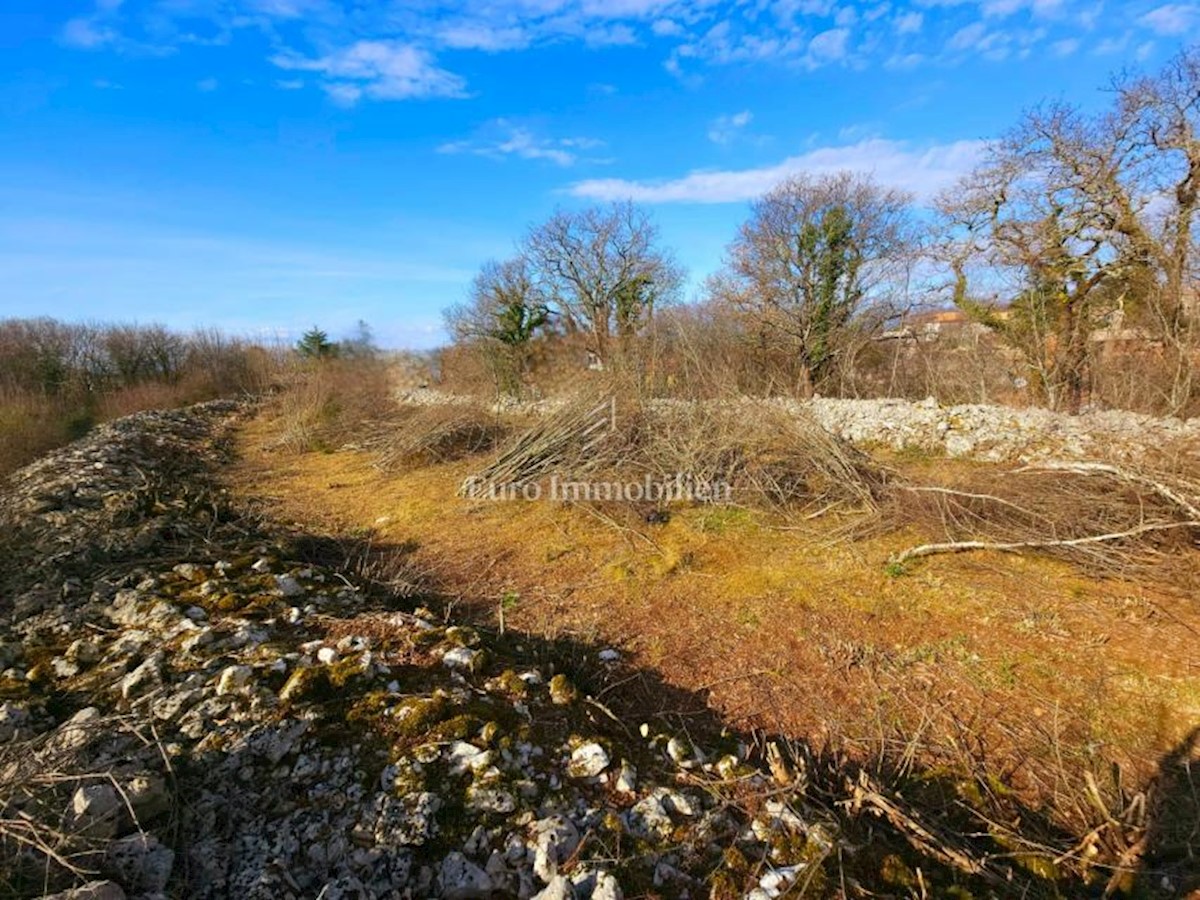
145, 676
463, 756
461, 658
233, 679
141, 862
555, 839
607, 888
327, 655
559, 888
627, 779
288, 586
588, 761
461, 879
776, 881
95, 808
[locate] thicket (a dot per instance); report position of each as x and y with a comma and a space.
58, 379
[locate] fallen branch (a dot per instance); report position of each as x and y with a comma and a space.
968, 495
1168, 493
1018, 546
923, 837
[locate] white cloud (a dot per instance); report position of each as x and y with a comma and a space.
924, 171
381, 70
610, 36
207, 85
389, 50
480, 36
829, 46
1042, 8
87, 33
287, 9
1173, 19
1065, 47
502, 138
666, 28
724, 129
967, 37
1112, 45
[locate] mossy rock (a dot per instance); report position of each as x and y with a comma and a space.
562, 692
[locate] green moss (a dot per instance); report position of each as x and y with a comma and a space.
416, 715
343, 671
895, 871
428, 637
371, 708
461, 636
722, 885
788, 848
510, 683
562, 692
458, 728
322, 683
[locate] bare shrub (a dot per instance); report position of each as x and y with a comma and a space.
328, 402
767, 456
1107, 519
58, 379
439, 433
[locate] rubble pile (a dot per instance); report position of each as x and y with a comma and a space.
1000, 433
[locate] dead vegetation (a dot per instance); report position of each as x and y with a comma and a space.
327, 402
1029, 685
436, 433
58, 816
766, 457
1111, 520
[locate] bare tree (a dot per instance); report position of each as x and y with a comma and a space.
504, 315
1075, 221
818, 259
603, 270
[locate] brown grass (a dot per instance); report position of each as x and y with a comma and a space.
438, 433
331, 402
1018, 675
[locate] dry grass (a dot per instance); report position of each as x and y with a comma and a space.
1110, 520
440, 433
1018, 675
328, 403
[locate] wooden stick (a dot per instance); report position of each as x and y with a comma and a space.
1018, 546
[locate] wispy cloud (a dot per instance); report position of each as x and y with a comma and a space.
95, 30
502, 138
922, 170
381, 70
724, 129
1173, 19
396, 50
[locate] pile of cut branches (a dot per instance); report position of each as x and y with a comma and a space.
765, 456
1108, 518
438, 433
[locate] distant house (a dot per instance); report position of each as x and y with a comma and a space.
932, 325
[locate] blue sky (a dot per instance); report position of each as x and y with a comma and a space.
262, 165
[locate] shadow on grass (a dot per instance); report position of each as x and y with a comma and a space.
904, 831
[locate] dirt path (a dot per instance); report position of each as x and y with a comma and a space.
1019, 664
